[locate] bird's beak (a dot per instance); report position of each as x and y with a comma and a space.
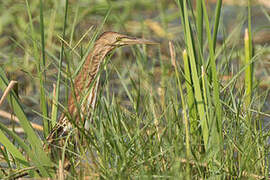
131, 40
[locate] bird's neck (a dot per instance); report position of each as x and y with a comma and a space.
86, 84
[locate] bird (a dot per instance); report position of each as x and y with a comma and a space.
82, 100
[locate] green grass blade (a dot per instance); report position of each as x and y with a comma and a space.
13, 135
56, 98
183, 7
248, 63
217, 18
195, 79
13, 149
199, 23
42, 75
206, 95
215, 83
97, 32
126, 88
191, 101
41, 158
249, 29
248, 72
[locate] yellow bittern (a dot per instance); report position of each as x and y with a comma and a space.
86, 83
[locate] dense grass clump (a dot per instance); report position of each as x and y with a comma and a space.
189, 109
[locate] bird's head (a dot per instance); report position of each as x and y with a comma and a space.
116, 40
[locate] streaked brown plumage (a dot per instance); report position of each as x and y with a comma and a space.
86, 83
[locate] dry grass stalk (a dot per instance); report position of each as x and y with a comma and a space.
8, 89
60, 171
14, 118
172, 53
10, 116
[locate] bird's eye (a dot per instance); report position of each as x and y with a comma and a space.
118, 39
